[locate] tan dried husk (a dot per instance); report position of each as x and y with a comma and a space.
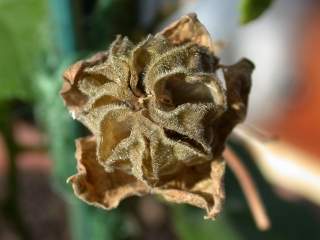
159, 117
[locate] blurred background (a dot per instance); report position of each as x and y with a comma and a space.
40, 38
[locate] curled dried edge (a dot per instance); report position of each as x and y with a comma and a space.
159, 117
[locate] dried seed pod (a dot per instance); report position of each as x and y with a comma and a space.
159, 117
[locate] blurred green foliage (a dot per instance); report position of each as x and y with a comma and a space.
21, 43
190, 225
104, 20
59, 126
252, 9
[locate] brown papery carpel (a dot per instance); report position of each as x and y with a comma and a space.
159, 118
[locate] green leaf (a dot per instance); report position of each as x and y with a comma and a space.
252, 9
20, 45
190, 225
88, 222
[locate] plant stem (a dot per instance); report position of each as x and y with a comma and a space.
249, 189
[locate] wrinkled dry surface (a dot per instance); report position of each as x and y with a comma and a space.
159, 118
